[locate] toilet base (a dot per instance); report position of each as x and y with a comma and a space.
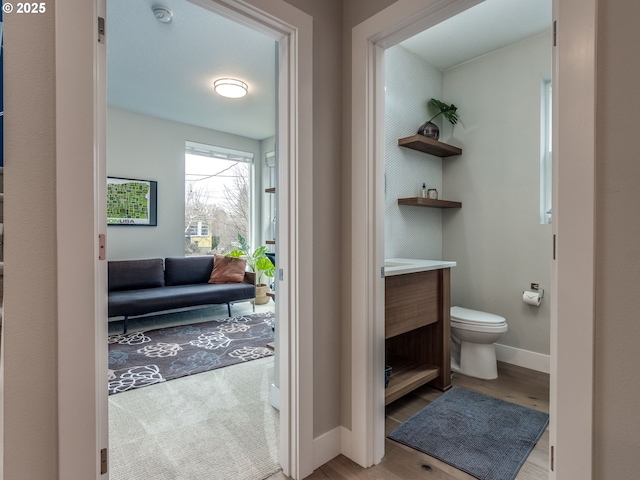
476, 360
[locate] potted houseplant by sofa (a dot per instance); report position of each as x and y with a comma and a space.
431, 130
258, 262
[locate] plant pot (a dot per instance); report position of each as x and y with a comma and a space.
261, 294
430, 130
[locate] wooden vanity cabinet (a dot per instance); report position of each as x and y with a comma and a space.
417, 331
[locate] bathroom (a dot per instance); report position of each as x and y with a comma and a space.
499, 238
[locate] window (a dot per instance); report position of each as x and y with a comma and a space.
198, 230
546, 157
217, 198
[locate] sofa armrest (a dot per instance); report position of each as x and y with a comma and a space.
250, 277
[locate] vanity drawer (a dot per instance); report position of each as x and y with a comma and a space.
411, 301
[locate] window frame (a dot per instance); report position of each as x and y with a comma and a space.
546, 153
216, 152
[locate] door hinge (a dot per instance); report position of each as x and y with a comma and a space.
281, 274
555, 33
101, 30
554, 247
552, 457
102, 247
381, 272
104, 463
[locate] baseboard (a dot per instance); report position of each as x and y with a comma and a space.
523, 358
346, 442
327, 446
274, 396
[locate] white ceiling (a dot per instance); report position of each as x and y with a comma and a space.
167, 70
481, 29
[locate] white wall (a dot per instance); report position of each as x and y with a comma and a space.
409, 232
617, 333
497, 238
30, 323
327, 207
149, 148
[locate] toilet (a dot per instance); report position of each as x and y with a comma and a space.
473, 334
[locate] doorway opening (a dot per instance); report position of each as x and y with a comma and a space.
486, 198
164, 117
81, 86
404, 19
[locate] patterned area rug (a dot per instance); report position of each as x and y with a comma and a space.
140, 359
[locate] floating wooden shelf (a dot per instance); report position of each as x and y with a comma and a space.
407, 375
429, 145
429, 202
270, 190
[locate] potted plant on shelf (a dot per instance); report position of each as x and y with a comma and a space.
258, 262
431, 130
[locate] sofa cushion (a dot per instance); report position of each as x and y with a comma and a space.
187, 270
227, 269
135, 274
141, 302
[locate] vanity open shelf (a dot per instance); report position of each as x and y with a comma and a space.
429, 145
417, 331
407, 376
429, 202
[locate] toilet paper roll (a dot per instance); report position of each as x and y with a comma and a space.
531, 298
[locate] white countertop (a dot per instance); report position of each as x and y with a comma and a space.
400, 266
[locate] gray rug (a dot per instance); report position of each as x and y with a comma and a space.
480, 435
140, 359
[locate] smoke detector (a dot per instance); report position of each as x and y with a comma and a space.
163, 14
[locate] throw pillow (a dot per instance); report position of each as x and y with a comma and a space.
227, 269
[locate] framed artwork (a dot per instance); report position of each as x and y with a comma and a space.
132, 202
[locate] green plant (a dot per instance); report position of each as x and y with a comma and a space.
257, 260
448, 111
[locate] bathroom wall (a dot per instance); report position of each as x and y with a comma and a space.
496, 238
410, 232
150, 148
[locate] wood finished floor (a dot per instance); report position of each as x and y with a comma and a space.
514, 384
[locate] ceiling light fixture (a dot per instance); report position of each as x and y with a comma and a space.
230, 87
163, 14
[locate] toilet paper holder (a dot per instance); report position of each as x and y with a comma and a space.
536, 287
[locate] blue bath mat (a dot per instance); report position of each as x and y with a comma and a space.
480, 435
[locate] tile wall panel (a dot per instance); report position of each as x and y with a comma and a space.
410, 232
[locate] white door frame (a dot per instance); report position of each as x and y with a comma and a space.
573, 273
80, 186
81, 282
576, 62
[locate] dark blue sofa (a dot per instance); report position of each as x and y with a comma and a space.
139, 287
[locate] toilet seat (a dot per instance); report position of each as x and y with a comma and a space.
466, 316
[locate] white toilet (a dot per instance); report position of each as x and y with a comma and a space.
473, 334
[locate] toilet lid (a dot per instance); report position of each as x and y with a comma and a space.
475, 317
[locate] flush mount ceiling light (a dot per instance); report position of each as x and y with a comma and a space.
163, 14
230, 87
